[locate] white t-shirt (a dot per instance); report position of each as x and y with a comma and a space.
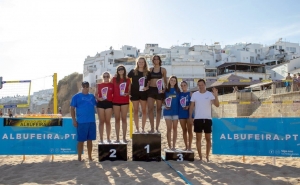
203, 103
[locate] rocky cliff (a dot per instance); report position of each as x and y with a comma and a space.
66, 88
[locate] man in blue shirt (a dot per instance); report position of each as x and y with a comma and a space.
83, 105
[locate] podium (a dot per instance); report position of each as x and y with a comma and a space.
146, 147
112, 151
179, 155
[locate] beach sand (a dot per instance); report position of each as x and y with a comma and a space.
65, 169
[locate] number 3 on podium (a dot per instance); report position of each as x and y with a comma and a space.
179, 157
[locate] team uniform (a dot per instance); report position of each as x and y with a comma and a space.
107, 103
119, 100
172, 113
202, 119
153, 91
85, 116
184, 114
135, 93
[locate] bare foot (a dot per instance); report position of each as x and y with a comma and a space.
137, 131
79, 158
90, 159
157, 131
207, 159
143, 132
101, 141
108, 140
125, 140
117, 141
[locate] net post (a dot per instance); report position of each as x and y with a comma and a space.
244, 159
55, 93
23, 157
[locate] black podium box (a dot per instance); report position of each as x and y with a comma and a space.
112, 151
146, 147
179, 155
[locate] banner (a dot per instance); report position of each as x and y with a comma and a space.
256, 136
37, 136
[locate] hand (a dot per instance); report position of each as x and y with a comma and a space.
75, 124
215, 92
186, 108
145, 88
168, 108
125, 94
100, 99
162, 91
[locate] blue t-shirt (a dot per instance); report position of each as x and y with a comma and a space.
173, 111
85, 107
184, 114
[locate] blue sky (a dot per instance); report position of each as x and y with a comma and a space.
39, 37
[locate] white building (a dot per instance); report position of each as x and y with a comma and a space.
202, 61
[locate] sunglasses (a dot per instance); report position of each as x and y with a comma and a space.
105, 76
120, 69
85, 86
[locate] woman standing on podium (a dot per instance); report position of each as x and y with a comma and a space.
158, 77
139, 76
104, 97
171, 110
121, 100
185, 99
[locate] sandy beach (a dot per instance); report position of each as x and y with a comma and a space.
65, 169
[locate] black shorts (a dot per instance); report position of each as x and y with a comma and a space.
153, 93
120, 104
202, 124
104, 104
142, 95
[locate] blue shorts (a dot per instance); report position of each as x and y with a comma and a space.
86, 131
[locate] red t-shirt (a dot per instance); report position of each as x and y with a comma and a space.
110, 90
117, 98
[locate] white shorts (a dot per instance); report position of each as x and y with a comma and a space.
174, 117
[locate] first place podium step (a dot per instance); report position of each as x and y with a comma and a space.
146, 147
112, 151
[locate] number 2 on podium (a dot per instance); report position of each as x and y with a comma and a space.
113, 153
147, 147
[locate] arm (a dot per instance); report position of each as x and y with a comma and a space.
165, 77
191, 110
129, 87
216, 100
72, 111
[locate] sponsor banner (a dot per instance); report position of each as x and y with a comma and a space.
37, 136
32, 122
256, 136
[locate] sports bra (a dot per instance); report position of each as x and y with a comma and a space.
154, 75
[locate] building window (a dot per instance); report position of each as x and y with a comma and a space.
280, 47
128, 48
260, 79
207, 62
110, 61
250, 78
96, 77
274, 75
152, 50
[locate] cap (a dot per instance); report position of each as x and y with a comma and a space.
85, 83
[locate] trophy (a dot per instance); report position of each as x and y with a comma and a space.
122, 87
159, 84
142, 83
104, 91
168, 101
183, 102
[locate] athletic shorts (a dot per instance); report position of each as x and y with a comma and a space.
104, 104
202, 124
142, 95
120, 104
86, 131
153, 93
174, 117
